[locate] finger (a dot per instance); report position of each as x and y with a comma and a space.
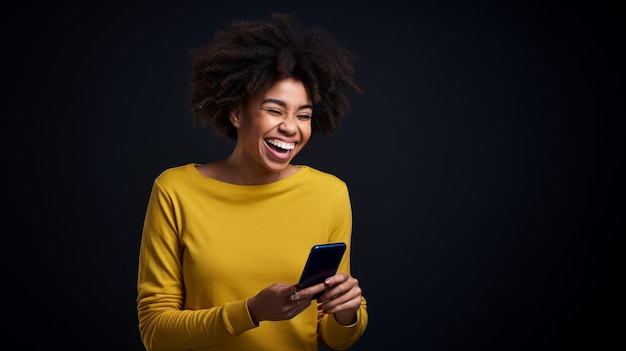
295, 295
319, 290
299, 298
336, 279
339, 303
341, 293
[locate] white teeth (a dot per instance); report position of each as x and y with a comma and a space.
281, 144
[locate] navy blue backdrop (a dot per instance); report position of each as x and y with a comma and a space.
483, 163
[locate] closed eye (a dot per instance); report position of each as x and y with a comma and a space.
272, 111
304, 117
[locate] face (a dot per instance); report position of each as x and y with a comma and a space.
274, 126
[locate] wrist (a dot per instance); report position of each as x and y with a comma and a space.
344, 319
253, 317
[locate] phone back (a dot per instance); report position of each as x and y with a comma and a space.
323, 262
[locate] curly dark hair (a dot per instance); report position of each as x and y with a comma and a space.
254, 55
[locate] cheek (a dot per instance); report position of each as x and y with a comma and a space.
261, 125
306, 131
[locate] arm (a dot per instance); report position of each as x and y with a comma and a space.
342, 316
338, 336
163, 323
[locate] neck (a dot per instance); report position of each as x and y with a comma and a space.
246, 172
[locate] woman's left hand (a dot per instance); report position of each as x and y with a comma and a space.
342, 297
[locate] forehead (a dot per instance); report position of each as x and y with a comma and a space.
288, 90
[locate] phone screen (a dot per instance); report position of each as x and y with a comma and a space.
323, 262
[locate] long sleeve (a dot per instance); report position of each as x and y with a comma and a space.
342, 337
163, 325
333, 334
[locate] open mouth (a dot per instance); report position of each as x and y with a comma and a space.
280, 146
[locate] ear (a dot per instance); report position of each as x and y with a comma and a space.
233, 115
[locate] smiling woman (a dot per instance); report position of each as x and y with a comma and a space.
219, 262
272, 127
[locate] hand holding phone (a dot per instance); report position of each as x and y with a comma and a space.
323, 262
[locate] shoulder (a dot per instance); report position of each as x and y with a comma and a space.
315, 175
175, 174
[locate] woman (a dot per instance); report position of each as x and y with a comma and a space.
224, 243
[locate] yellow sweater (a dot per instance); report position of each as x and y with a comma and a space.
207, 246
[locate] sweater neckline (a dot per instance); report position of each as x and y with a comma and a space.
191, 168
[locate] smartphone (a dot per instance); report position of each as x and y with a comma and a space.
323, 262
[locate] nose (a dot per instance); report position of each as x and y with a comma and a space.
288, 125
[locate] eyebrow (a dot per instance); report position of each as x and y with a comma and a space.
283, 104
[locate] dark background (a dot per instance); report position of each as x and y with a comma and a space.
483, 162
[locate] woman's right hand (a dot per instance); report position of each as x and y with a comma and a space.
277, 302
